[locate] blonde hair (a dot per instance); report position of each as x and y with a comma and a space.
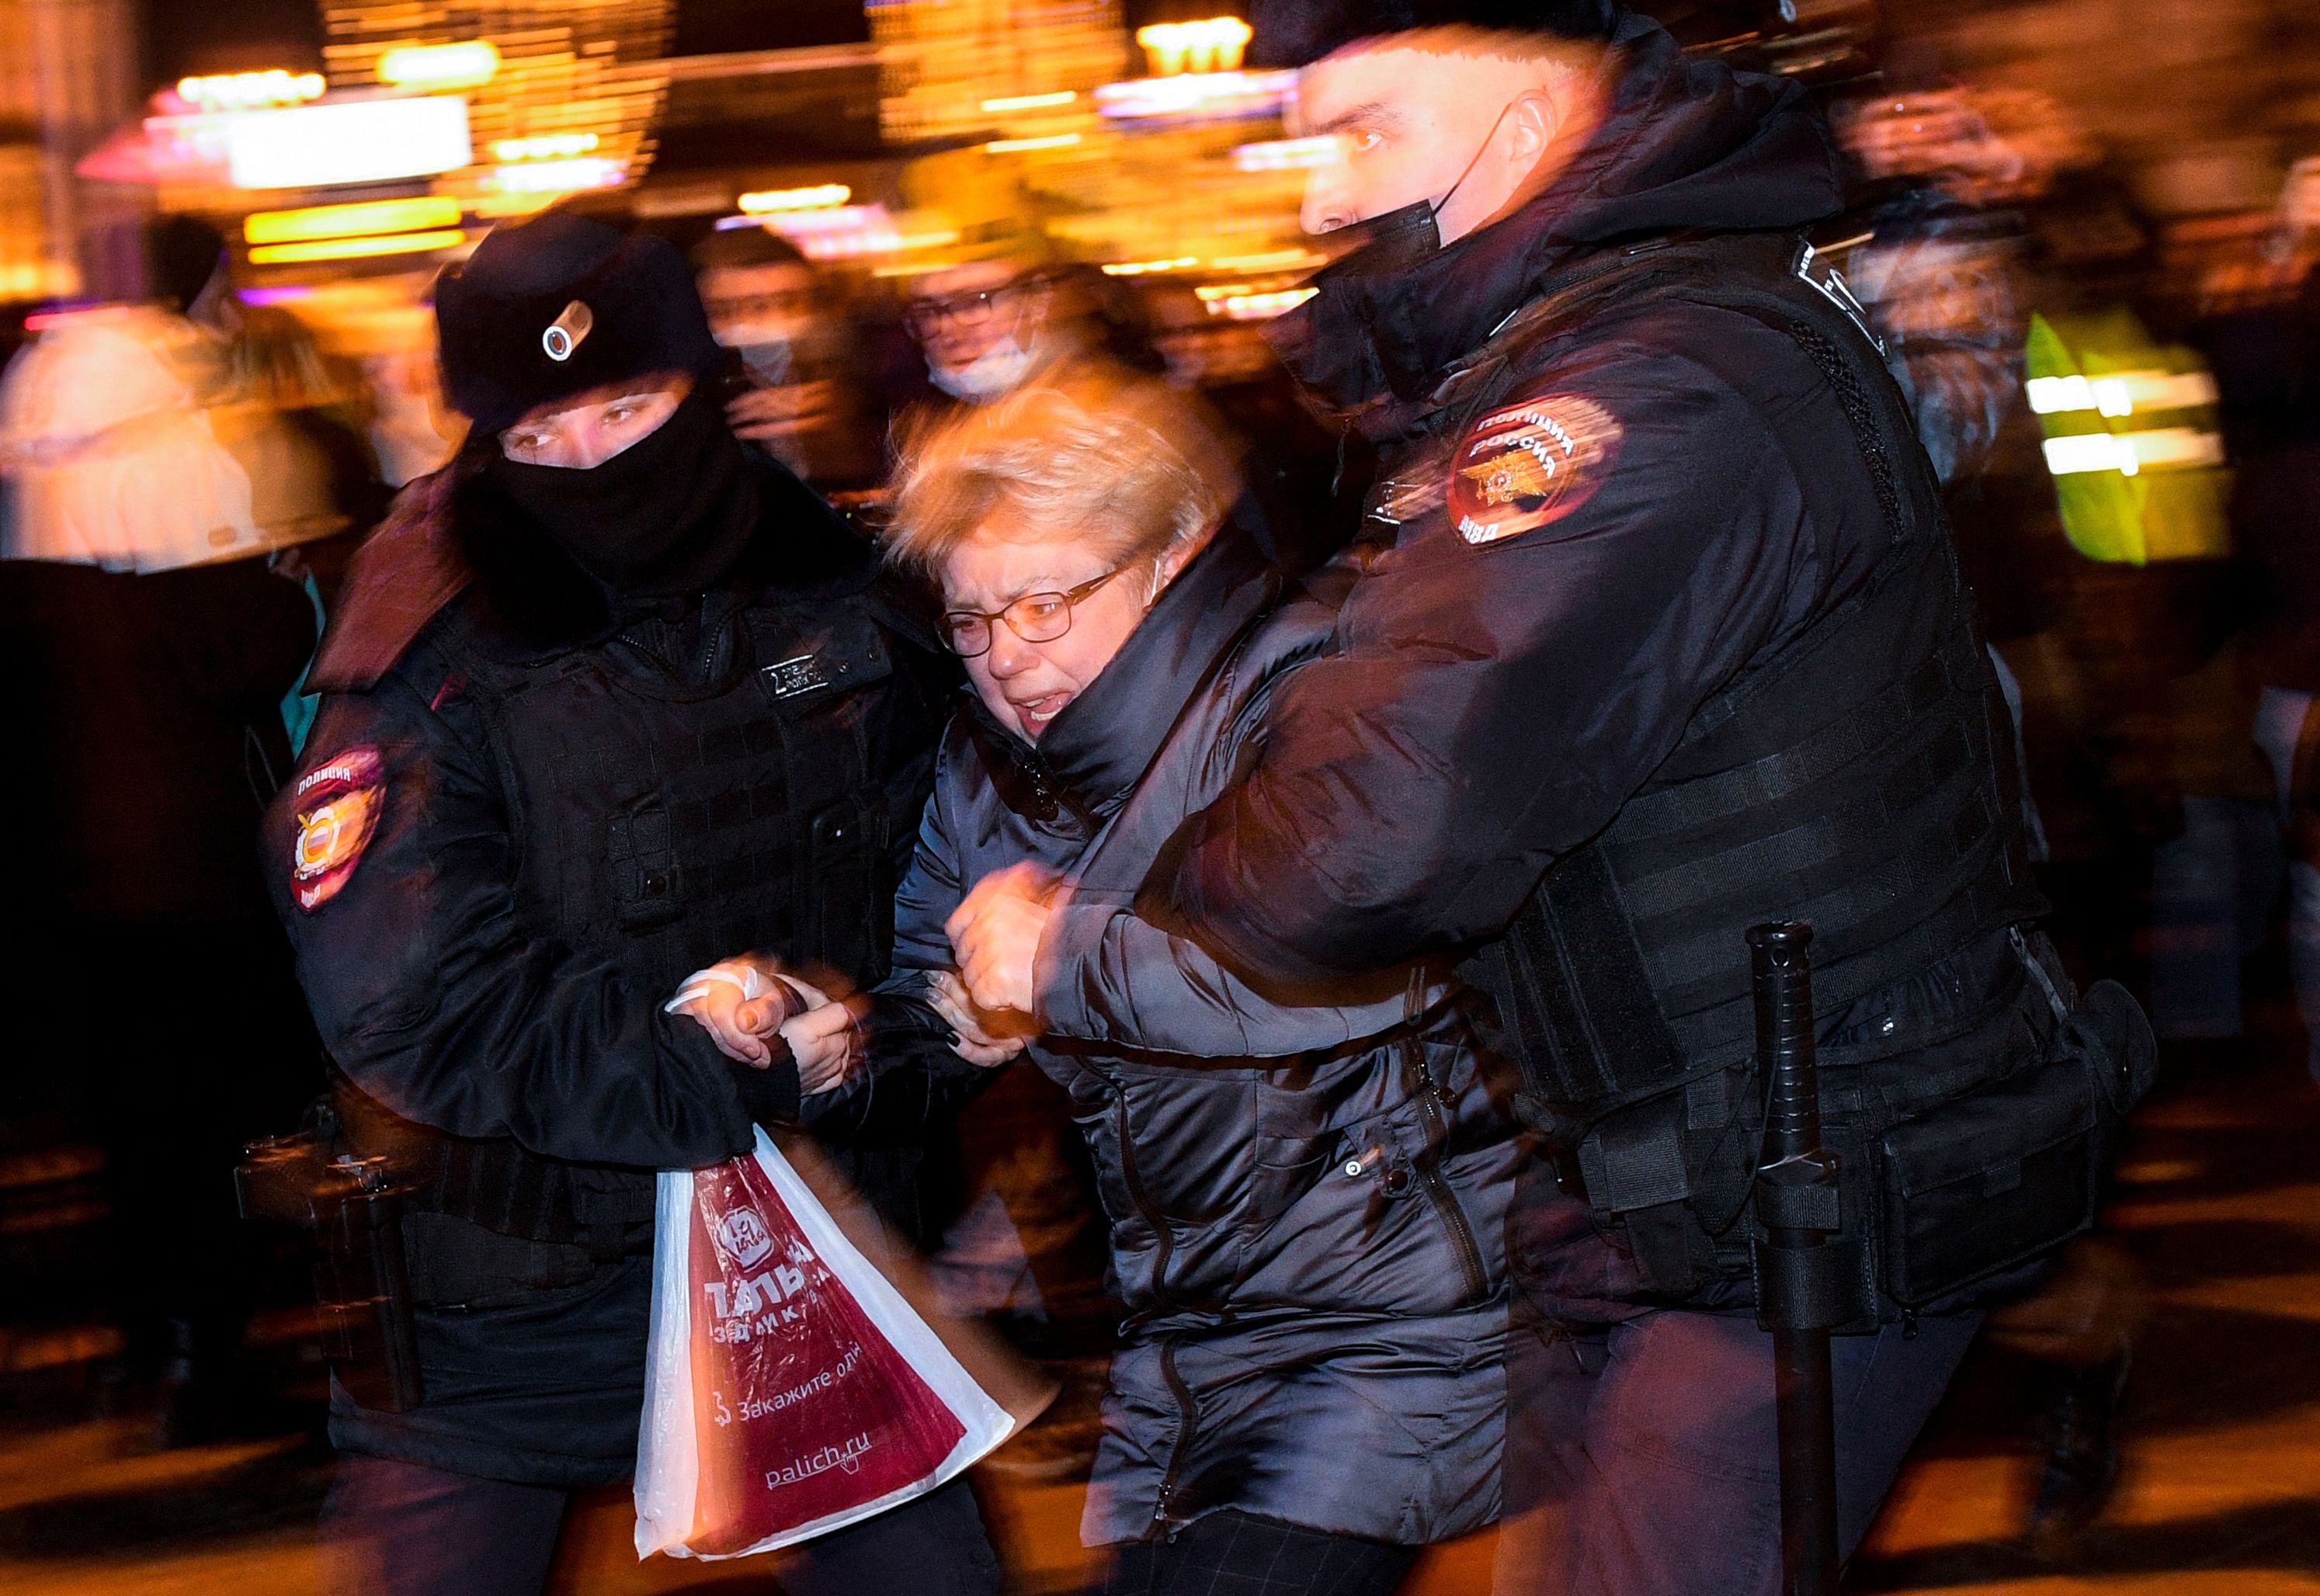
1121, 461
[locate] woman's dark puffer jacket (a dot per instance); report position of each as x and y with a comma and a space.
1305, 1201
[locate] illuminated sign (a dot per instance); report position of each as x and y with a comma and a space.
363, 220
545, 146
356, 248
439, 66
1007, 103
1212, 45
1239, 302
243, 91
845, 232
350, 141
795, 199
1287, 154
1015, 146
568, 176
1217, 96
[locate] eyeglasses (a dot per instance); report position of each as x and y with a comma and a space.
1035, 618
927, 314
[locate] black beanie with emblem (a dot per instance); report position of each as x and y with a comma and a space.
551, 307
1298, 32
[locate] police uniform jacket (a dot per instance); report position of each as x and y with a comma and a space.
1655, 633
523, 816
1305, 1195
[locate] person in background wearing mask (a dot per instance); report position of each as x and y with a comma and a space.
785, 388
608, 697
1656, 636
987, 326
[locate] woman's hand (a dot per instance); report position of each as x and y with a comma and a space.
986, 1039
995, 934
826, 1040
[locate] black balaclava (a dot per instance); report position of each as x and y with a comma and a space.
668, 515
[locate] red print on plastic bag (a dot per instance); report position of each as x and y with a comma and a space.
802, 1408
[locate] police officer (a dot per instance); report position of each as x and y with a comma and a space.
1656, 634
606, 699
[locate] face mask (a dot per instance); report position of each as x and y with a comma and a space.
668, 515
765, 348
1000, 369
1395, 241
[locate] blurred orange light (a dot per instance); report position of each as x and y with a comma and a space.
241, 91
544, 147
366, 219
818, 196
1007, 103
439, 66
1013, 146
1195, 94
1212, 45
1138, 268
1257, 307
356, 248
564, 177
344, 142
1285, 155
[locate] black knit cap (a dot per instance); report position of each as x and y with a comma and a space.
547, 308
1297, 32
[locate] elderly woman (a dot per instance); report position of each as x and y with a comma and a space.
1305, 1195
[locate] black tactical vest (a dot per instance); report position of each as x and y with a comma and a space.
1861, 779
670, 825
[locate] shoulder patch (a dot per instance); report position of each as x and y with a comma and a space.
1520, 468
337, 805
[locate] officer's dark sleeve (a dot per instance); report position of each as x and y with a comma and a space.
910, 1077
430, 996
1491, 704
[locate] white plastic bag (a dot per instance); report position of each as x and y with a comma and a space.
790, 1389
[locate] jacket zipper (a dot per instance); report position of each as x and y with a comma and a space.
1188, 1411
1437, 1190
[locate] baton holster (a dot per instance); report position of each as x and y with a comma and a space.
353, 1208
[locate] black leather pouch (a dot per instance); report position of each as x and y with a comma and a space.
1989, 1182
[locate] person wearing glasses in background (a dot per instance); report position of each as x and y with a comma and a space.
1305, 1191
986, 326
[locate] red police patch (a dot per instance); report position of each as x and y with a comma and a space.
1520, 468
337, 804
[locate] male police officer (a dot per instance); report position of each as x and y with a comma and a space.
1656, 636
606, 700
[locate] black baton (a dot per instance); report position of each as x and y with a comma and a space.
1798, 1287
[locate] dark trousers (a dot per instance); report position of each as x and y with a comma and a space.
1232, 1553
399, 1529
1642, 1458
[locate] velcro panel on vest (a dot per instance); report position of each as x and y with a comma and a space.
1796, 1206
1810, 1281
1605, 1031
1633, 1162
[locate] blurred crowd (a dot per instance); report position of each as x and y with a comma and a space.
2081, 227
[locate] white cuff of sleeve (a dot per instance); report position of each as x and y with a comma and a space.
745, 977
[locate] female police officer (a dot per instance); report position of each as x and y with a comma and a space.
605, 699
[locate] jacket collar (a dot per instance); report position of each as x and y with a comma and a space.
1685, 144
1094, 753
448, 536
